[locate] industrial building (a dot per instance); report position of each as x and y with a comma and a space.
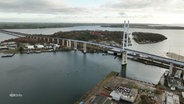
8, 45
123, 93
178, 74
171, 98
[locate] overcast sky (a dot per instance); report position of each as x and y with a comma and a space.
93, 11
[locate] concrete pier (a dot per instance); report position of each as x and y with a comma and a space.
58, 41
36, 38
84, 48
170, 69
48, 40
63, 42
40, 38
52, 40
124, 64
69, 43
75, 45
44, 39
124, 58
66, 43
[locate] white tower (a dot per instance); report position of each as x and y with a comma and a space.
125, 43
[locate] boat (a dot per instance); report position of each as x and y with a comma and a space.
8, 55
37, 52
3, 48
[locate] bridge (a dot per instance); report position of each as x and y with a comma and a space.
16, 34
111, 48
69, 42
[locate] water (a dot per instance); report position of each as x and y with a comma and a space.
5, 37
62, 78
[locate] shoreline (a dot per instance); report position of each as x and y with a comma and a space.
110, 83
175, 56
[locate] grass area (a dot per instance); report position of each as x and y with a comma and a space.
86, 35
175, 56
11, 51
144, 38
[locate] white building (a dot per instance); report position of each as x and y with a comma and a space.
171, 98
39, 46
182, 94
56, 45
30, 47
126, 95
8, 43
115, 95
178, 74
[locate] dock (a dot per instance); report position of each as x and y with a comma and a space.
97, 88
8, 55
114, 89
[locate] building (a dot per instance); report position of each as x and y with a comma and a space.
3, 47
125, 94
178, 74
171, 98
115, 95
30, 47
172, 83
39, 46
9, 45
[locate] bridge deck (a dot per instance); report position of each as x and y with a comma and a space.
113, 48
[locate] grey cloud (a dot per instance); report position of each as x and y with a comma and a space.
123, 14
144, 4
129, 4
37, 6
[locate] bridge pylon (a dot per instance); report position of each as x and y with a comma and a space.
125, 39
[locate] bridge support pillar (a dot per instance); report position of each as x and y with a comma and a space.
124, 64
48, 40
63, 42
75, 45
69, 43
171, 69
28, 36
37, 38
40, 38
52, 40
44, 39
84, 48
58, 41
